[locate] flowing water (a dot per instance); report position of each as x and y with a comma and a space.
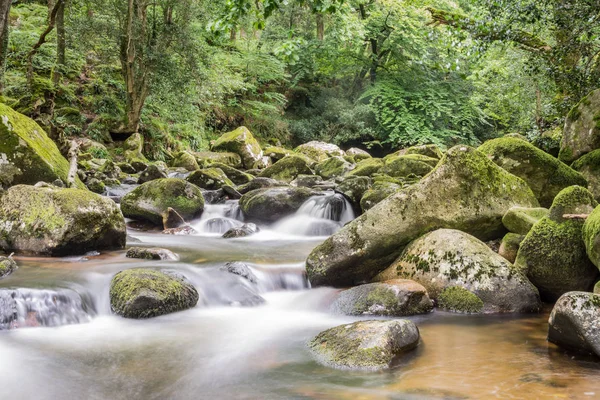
66, 344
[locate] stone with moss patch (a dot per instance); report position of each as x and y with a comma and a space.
428, 150
235, 175
354, 188
333, 167
7, 266
405, 166
459, 300
96, 185
133, 152
27, 154
54, 221
591, 236
146, 293
242, 142
581, 134
544, 174
287, 169
358, 154
151, 253
397, 297
276, 153
466, 191
319, 151
185, 160
365, 345
573, 323
272, 204
152, 172
509, 246
520, 219
447, 258
150, 201
210, 178
553, 254
205, 158
367, 167
378, 192
589, 167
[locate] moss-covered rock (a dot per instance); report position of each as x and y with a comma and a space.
509, 247
404, 166
276, 153
378, 192
466, 191
151, 173
235, 175
549, 141
319, 151
272, 204
448, 258
365, 345
96, 185
358, 154
205, 158
242, 142
591, 236
7, 266
367, 167
57, 222
209, 178
428, 150
553, 253
544, 174
354, 188
459, 300
307, 181
240, 269
259, 183
589, 167
151, 253
520, 219
27, 154
151, 200
333, 167
573, 323
185, 160
287, 169
146, 293
133, 148
397, 297
248, 229
582, 129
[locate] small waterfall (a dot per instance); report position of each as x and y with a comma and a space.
118, 192
318, 216
43, 307
219, 218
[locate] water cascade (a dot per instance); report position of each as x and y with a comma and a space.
219, 218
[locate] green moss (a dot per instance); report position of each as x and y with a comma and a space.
572, 200
367, 167
428, 150
287, 169
591, 236
242, 142
332, 167
210, 178
458, 299
403, 166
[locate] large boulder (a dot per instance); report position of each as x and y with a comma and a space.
365, 345
466, 191
287, 169
333, 167
429, 150
276, 153
397, 297
185, 160
242, 142
27, 154
589, 167
573, 323
210, 178
319, 151
404, 166
151, 173
235, 175
378, 192
582, 131
520, 219
133, 147
54, 221
205, 158
544, 174
145, 293
450, 258
272, 204
367, 167
354, 188
152, 200
358, 154
553, 254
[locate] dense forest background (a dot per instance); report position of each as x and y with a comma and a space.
378, 74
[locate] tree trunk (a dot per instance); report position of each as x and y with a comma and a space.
61, 46
320, 26
4, 22
41, 41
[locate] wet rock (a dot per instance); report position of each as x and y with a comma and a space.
319, 151
172, 219
354, 188
287, 169
185, 160
450, 258
545, 175
259, 183
153, 172
365, 345
145, 293
398, 297
553, 254
520, 220
231, 193
459, 300
242, 142
27, 154
573, 323
57, 222
127, 168
151, 200
182, 230
371, 242
209, 178
242, 231
272, 204
581, 134
240, 269
151, 253
7, 266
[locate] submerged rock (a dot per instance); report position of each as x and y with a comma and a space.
7, 266
573, 323
371, 242
145, 293
397, 297
270, 205
365, 345
242, 231
27, 154
582, 131
151, 200
450, 258
151, 253
242, 142
57, 222
240, 269
545, 175
553, 254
